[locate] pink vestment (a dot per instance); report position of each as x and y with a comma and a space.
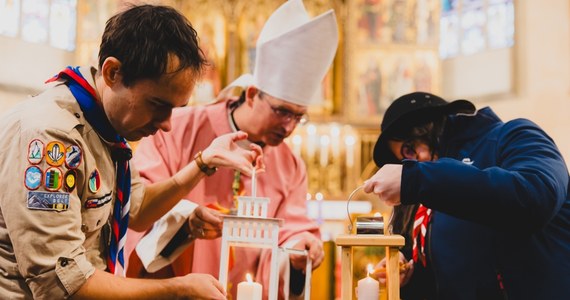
284, 182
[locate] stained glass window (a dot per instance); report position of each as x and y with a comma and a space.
35, 14
51, 22
472, 26
62, 24
9, 17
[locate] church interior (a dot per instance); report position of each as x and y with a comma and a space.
513, 56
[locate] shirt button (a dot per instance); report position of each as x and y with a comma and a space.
64, 262
84, 228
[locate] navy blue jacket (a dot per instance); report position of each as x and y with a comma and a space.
500, 195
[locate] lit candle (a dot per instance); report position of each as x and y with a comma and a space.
319, 198
311, 140
253, 187
297, 140
368, 288
335, 144
324, 157
349, 141
248, 290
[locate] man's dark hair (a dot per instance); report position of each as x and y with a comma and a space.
143, 37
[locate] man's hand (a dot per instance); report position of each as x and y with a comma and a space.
386, 184
205, 223
406, 270
225, 152
202, 286
315, 248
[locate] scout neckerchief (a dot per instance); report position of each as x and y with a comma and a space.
121, 154
421, 220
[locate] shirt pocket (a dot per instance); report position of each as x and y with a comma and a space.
96, 212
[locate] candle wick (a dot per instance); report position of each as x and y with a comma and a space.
253, 187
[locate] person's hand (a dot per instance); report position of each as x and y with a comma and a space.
201, 286
205, 223
315, 248
225, 152
386, 184
406, 270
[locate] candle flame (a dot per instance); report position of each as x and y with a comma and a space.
370, 269
248, 277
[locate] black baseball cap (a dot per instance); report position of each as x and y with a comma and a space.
413, 108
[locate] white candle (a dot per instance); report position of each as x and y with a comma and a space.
253, 187
349, 141
311, 140
297, 140
335, 144
368, 288
319, 197
248, 290
324, 157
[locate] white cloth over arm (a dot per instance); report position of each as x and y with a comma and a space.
162, 233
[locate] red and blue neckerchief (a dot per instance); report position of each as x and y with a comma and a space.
121, 153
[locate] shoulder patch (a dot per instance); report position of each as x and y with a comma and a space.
94, 181
55, 153
73, 156
53, 179
35, 151
70, 180
33, 177
48, 201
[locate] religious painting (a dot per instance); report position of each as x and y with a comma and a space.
208, 18
395, 21
389, 55
379, 78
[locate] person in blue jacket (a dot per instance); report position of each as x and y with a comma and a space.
483, 203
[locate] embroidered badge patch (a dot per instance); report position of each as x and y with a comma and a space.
55, 153
33, 178
94, 181
73, 156
98, 202
48, 201
70, 180
35, 151
53, 179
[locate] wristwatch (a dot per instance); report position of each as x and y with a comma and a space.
203, 167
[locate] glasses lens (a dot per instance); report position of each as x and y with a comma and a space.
408, 150
302, 120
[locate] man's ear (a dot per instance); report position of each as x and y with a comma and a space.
111, 71
250, 93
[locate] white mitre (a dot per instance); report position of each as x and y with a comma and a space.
293, 54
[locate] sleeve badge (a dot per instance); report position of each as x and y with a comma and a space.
48, 201
53, 179
35, 151
70, 180
73, 156
94, 181
55, 153
33, 177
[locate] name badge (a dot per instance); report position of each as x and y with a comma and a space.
48, 201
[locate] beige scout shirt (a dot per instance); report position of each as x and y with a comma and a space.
54, 231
